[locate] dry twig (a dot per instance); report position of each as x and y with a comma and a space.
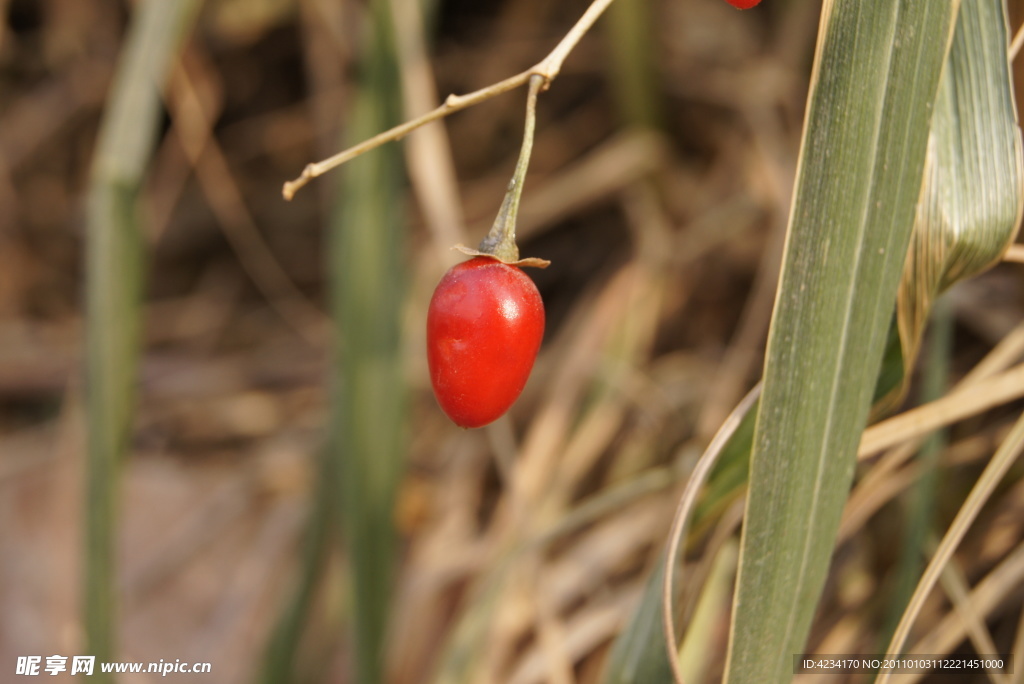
548, 69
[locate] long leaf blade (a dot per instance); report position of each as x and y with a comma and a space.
366, 264
114, 290
876, 76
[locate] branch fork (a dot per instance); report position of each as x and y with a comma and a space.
546, 70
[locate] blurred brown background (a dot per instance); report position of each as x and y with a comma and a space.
231, 406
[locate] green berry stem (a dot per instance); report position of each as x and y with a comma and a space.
501, 240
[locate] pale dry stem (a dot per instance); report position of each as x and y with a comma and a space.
1015, 254
548, 69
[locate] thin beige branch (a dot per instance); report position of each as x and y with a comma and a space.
682, 516
1018, 40
1001, 462
548, 68
552, 64
428, 151
962, 403
1015, 253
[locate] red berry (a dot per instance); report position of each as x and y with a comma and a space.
743, 4
484, 327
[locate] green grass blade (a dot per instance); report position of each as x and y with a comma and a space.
971, 204
639, 653
283, 646
113, 284
634, 76
875, 81
922, 503
366, 271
